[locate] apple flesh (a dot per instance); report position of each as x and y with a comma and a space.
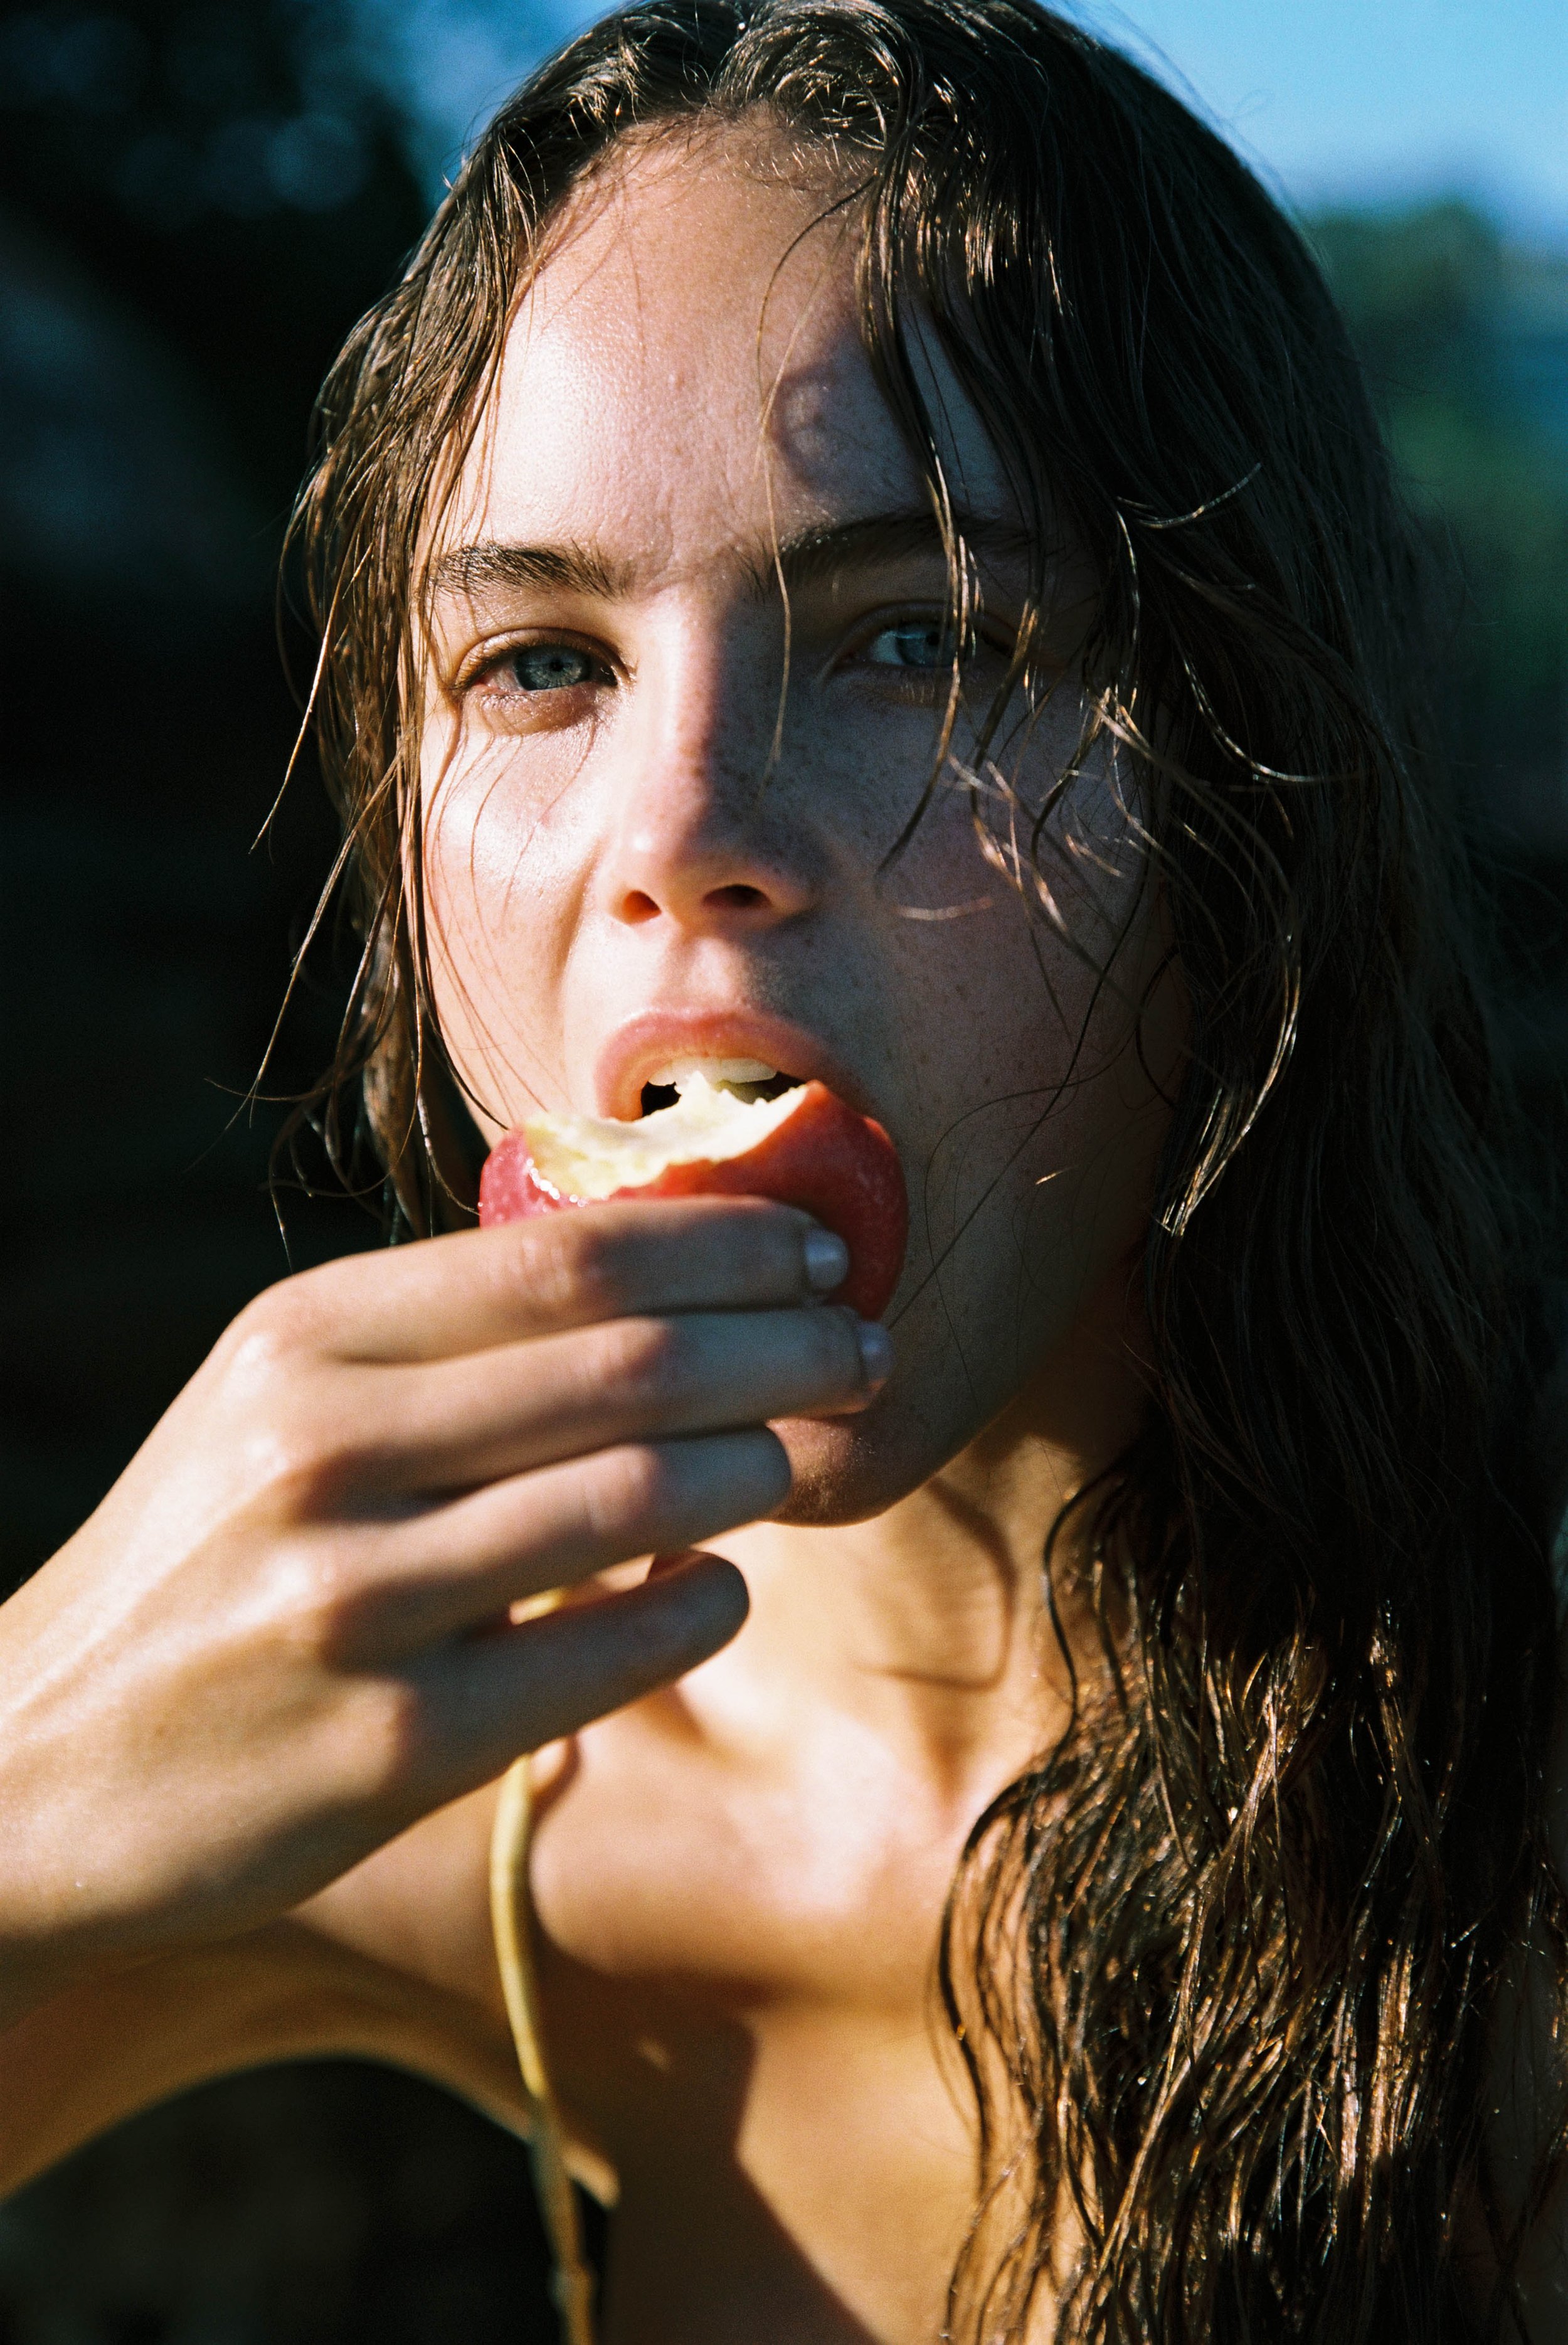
805, 1148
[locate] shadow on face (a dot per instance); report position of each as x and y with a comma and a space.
691, 658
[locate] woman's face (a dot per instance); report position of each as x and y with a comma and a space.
641, 847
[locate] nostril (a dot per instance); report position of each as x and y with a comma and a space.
686, 900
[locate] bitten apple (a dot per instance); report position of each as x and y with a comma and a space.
805, 1148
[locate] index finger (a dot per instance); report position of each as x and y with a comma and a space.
470, 1292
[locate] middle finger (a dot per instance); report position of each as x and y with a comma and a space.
462, 1421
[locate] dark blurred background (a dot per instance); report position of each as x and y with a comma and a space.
194, 204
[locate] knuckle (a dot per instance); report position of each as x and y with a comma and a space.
622, 1489
316, 1600
305, 1445
642, 1360
305, 1461
777, 1245
272, 1404
276, 1332
763, 1464
569, 1266
391, 1736
666, 1633
837, 1343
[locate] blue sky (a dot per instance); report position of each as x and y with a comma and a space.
1377, 100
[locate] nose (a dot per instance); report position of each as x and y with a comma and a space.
700, 837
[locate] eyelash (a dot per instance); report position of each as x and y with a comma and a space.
908, 678
491, 671
916, 680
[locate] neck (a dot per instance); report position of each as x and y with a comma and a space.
934, 1616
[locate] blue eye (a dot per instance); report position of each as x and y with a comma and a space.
914, 643
549, 667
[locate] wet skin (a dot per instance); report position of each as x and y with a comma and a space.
629, 851
739, 1884
631, 857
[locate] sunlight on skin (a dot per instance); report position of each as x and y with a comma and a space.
255, 1713
587, 844
611, 848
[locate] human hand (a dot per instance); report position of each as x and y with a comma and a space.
285, 1634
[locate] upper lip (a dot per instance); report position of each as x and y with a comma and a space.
646, 1043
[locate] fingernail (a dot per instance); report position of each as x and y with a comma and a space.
876, 1351
827, 1261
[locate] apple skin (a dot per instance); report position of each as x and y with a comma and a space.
837, 1166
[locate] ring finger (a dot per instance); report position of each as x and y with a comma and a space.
499, 1413
462, 1563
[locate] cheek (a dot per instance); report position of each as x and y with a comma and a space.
1030, 1219
1039, 1175
500, 898
1006, 998
1030, 944
1039, 1129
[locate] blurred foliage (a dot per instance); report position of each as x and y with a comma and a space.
1465, 337
231, 172
1465, 342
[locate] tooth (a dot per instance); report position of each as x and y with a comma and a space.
680, 1072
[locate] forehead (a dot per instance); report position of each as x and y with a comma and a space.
687, 368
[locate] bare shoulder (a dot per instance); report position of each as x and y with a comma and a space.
388, 1964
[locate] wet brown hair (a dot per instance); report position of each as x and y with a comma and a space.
1222, 1962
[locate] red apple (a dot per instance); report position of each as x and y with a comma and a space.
805, 1148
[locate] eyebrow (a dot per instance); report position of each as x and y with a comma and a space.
572, 567
814, 557
811, 557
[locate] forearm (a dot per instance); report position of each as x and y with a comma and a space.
82, 2062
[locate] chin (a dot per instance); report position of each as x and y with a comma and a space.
848, 1470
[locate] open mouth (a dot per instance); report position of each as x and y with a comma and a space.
714, 1126
744, 1079
707, 1122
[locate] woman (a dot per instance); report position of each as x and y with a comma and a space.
858, 546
